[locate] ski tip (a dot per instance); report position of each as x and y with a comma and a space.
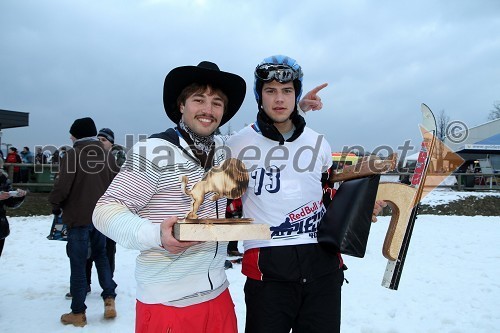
426, 111
429, 121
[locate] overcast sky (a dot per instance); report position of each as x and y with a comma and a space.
107, 59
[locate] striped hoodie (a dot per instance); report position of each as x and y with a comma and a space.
145, 192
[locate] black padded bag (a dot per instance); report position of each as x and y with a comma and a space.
346, 224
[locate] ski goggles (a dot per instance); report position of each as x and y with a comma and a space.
280, 73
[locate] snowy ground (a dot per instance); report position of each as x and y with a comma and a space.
450, 282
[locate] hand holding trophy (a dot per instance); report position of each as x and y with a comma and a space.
229, 180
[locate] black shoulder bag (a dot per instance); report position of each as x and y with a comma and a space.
346, 224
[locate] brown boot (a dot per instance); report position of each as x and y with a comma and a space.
76, 319
109, 308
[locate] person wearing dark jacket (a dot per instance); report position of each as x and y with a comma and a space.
27, 158
8, 198
107, 138
40, 157
85, 172
13, 157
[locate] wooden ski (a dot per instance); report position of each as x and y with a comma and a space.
400, 239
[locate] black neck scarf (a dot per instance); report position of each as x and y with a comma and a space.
203, 147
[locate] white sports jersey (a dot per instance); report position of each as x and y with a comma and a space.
284, 187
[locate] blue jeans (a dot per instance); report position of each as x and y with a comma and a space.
78, 245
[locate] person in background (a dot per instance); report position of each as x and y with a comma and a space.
293, 284
7, 199
85, 172
62, 151
26, 157
40, 157
55, 157
13, 157
107, 138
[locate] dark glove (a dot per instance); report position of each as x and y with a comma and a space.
56, 211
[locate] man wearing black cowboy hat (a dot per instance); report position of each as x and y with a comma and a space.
180, 285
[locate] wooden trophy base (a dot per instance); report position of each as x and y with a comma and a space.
220, 230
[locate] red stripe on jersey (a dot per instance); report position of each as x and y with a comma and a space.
250, 264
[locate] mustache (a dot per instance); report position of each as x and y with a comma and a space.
205, 115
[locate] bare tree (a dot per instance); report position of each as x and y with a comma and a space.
442, 123
495, 113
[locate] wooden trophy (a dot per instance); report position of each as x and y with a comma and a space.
229, 180
403, 199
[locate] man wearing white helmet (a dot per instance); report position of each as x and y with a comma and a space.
292, 282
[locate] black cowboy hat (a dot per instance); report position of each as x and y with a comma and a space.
206, 72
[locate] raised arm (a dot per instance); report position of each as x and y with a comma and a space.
311, 100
